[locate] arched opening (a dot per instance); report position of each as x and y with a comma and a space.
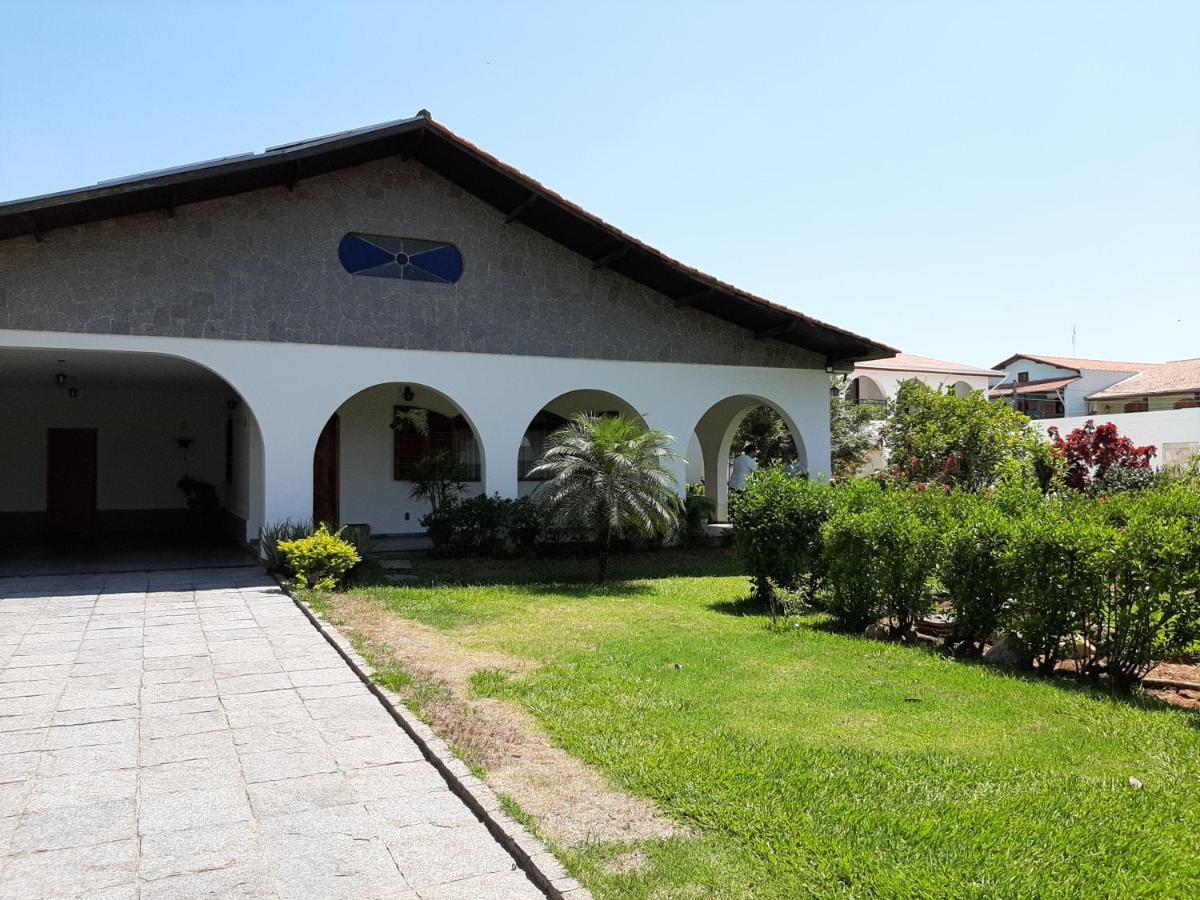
865, 391
961, 389
131, 458
717, 431
553, 416
369, 452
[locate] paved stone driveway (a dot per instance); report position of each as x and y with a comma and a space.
189, 734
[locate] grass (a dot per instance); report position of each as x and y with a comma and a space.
814, 764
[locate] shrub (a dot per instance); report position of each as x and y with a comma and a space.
492, 525
269, 537
437, 477
698, 510
320, 560
1059, 565
881, 560
1091, 452
976, 570
777, 529
1152, 610
967, 442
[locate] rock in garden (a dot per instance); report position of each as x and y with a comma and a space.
1076, 647
877, 632
1008, 653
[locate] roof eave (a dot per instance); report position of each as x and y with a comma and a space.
420, 137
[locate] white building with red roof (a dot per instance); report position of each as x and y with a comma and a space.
1151, 403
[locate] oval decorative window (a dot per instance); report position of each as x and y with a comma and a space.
382, 256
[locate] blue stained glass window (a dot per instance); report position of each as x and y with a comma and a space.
382, 256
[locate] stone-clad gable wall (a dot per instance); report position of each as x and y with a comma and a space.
263, 266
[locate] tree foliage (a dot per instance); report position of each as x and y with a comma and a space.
965, 442
853, 433
1091, 452
609, 475
765, 429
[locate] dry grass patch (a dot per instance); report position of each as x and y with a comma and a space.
572, 803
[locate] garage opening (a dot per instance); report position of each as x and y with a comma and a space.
113, 459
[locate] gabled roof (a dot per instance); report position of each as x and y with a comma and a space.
1180, 376
1077, 363
514, 194
908, 362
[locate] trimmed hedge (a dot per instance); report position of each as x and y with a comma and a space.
1110, 583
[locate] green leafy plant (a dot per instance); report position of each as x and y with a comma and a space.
609, 474
854, 431
698, 511
270, 535
966, 442
319, 561
777, 530
976, 570
437, 477
881, 561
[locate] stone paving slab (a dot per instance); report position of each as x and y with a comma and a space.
190, 733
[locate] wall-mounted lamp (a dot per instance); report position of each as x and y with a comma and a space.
72, 392
408, 394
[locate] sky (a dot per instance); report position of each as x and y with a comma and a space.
962, 180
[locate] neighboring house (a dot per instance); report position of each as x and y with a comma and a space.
875, 382
1151, 403
1048, 387
297, 327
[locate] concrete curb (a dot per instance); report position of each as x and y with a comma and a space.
529, 853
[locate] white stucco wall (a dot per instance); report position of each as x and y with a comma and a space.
888, 380
138, 457
1176, 433
293, 389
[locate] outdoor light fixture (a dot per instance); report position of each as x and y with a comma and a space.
72, 392
60, 379
408, 394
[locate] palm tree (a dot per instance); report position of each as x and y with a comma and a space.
609, 474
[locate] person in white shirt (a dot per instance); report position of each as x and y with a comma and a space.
741, 468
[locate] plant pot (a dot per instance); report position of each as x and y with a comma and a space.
440, 535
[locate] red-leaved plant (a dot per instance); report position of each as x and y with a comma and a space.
1091, 451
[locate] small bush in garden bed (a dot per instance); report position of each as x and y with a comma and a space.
882, 561
976, 570
777, 528
319, 561
270, 536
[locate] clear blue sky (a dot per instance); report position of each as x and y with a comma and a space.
959, 179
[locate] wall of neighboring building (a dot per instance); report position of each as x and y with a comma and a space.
263, 266
139, 460
1176, 433
1160, 402
1075, 394
889, 380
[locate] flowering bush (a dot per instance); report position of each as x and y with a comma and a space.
1091, 452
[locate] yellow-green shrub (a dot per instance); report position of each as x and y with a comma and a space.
320, 560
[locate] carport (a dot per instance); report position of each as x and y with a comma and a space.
113, 461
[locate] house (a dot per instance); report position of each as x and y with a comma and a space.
284, 334
876, 381
1047, 387
1151, 403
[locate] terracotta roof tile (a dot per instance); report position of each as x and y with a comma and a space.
908, 362
1181, 376
1077, 362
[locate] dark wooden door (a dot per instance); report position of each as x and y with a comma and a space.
326, 486
71, 480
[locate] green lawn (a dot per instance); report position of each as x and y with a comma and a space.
810, 763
